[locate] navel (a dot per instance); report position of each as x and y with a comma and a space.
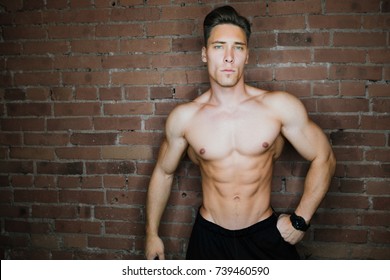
265, 145
202, 151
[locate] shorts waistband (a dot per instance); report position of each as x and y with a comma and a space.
263, 224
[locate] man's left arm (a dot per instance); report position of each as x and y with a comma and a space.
311, 143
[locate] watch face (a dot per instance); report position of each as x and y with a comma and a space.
298, 222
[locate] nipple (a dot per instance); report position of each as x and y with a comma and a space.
202, 151
265, 145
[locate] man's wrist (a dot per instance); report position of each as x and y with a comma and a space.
298, 222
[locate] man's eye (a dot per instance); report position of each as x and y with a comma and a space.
240, 48
217, 47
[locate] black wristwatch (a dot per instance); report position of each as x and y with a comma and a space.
298, 222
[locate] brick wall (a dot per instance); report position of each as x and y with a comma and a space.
86, 86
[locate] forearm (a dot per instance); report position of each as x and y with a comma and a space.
316, 186
156, 201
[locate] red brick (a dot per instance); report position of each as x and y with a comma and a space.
376, 219
177, 60
74, 226
357, 139
136, 78
32, 153
339, 55
42, 196
380, 236
23, 33
169, 28
301, 73
59, 124
296, 7
37, 79
126, 197
24, 226
126, 61
77, 62
184, 12
117, 123
344, 235
303, 39
86, 94
359, 6
125, 228
381, 203
378, 187
278, 23
77, 109
135, 14
71, 32
345, 202
141, 138
359, 39
71, 168
335, 21
92, 139
113, 167
136, 93
132, 108
357, 88
86, 78
25, 124
56, 4
355, 72
84, 197
118, 214
187, 44
9, 139
94, 46
378, 56
53, 212
284, 56
46, 139
343, 105
109, 243
29, 63
375, 122
75, 153
86, 16
155, 45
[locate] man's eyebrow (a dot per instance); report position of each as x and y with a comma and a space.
223, 42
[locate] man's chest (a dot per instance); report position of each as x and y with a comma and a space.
215, 136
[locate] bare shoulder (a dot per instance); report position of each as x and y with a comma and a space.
180, 117
285, 105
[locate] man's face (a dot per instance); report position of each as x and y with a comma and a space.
226, 54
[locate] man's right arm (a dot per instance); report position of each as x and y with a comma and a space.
160, 185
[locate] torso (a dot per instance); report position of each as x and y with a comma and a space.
235, 150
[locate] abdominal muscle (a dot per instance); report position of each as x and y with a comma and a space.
236, 190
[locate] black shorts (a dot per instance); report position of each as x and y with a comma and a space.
262, 240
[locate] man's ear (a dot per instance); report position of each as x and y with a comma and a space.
204, 57
247, 58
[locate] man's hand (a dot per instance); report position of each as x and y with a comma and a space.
154, 248
288, 232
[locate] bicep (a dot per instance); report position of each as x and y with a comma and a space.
174, 144
307, 138
171, 152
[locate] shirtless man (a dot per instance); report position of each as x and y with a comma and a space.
234, 133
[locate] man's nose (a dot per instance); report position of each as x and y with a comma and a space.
229, 56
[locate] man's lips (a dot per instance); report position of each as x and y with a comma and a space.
228, 70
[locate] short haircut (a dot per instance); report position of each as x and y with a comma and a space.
225, 15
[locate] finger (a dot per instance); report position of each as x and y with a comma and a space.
161, 256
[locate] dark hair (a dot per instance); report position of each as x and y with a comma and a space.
225, 15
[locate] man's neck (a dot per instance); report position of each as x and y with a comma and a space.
228, 96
